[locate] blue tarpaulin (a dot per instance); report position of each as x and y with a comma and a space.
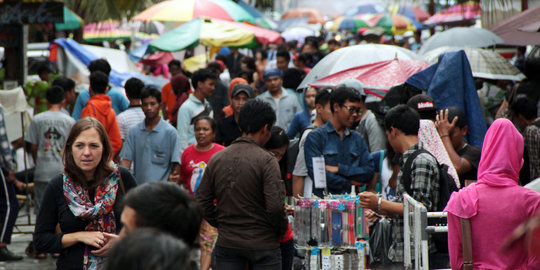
450, 83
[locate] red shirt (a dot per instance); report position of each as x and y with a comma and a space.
193, 163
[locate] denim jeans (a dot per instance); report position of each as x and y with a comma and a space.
232, 258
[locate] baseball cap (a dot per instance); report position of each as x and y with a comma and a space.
273, 72
424, 105
352, 83
242, 88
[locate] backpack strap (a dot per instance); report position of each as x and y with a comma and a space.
381, 160
406, 170
466, 243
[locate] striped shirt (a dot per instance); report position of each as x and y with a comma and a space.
128, 118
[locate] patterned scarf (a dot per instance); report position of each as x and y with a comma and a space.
100, 215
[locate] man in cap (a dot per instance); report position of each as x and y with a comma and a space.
283, 102
227, 128
424, 105
369, 127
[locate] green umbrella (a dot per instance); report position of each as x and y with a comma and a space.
71, 21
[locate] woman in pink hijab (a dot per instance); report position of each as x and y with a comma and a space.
495, 205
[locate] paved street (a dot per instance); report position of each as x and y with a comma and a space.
19, 240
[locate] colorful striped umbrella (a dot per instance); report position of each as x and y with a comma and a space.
187, 10
465, 13
392, 24
106, 31
213, 33
365, 9
411, 12
314, 16
260, 20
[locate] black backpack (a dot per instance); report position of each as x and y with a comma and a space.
446, 187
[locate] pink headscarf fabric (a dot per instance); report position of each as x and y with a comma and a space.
431, 141
501, 160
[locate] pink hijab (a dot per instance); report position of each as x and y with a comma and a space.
501, 160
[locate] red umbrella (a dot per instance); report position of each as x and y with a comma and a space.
314, 16
519, 30
464, 13
377, 77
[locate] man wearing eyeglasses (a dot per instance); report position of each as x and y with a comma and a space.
346, 156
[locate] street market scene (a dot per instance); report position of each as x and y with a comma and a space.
269, 134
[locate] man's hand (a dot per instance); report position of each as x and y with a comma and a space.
10, 178
332, 169
20, 186
442, 124
369, 200
110, 240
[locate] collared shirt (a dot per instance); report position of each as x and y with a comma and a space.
227, 131
424, 188
7, 157
152, 152
349, 153
285, 109
128, 118
190, 109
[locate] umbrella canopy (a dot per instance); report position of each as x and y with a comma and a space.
376, 77
365, 9
411, 12
392, 24
313, 15
106, 31
348, 23
354, 56
260, 20
299, 32
485, 64
514, 29
187, 10
71, 21
146, 30
213, 33
465, 13
461, 37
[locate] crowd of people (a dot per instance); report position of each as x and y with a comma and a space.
202, 173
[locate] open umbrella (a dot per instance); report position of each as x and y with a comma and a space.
461, 37
354, 56
106, 31
485, 64
213, 33
260, 20
298, 32
187, 10
348, 23
365, 9
377, 78
460, 14
514, 29
313, 15
411, 12
392, 24
72, 21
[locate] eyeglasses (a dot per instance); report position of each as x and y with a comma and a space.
353, 110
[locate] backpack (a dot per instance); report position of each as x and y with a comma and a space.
446, 181
292, 154
446, 187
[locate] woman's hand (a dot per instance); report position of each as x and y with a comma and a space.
95, 239
110, 240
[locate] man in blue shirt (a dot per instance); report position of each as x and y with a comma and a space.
119, 101
346, 157
152, 144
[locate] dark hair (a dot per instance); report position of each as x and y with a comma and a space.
333, 41
167, 207
66, 83
100, 65
526, 107
222, 57
213, 124
453, 112
278, 139
151, 92
292, 77
264, 54
43, 67
214, 66
146, 249
342, 94
264, 112
99, 82
133, 88
103, 169
202, 75
55, 94
249, 61
285, 54
174, 62
323, 96
293, 44
249, 74
403, 118
532, 68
